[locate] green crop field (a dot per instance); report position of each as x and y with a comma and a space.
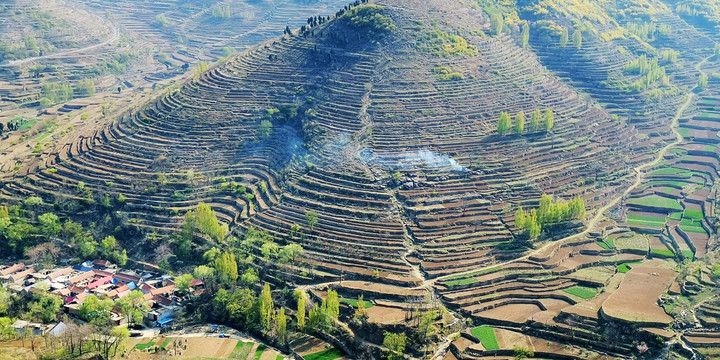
693, 214
328, 354
582, 292
487, 336
663, 252
655, 201
354, 302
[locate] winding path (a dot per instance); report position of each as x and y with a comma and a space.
116, 35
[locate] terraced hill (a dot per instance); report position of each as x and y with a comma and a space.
382, 125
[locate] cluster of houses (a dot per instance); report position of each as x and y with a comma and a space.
100, 278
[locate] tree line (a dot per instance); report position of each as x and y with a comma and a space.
549, 212
538, 122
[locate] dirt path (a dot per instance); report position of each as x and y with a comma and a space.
116, 35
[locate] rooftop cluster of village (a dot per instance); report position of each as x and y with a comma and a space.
104, 280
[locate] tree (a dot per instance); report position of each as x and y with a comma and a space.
577, 39
111, 339
300, 295
395, 343
290, 252
134, 306
535, 120
265, 129
504, 123
519, 123
525, 35
206, 274
96, 310
520, 218
312, 219
266, 308
702, 82
44, 307
361, 313
497, 23
534, 230
333, 304
211, 255
564, 37
226, 268
281, 325
249, 277
6, 301
549, 120
49, 225
269, 250
182, 282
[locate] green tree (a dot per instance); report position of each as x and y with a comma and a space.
226, 268
564, 37
520, 218
361, 313
535, 120
519, 123
107, 246
211, 255
290, 252
281, 325
534, 230
269, 250
182, 282
333, 304
300, 295
133, 306
549, 120
266, 308
577, 39
497, 23
249, 277
702, 82
395, 343
44, 307
525, 35
6, 301
504, 123
49, 225
312, 219
265, 129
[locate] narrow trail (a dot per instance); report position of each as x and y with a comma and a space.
116, 35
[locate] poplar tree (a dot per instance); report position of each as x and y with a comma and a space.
266, 308
577, 39
535, 120
525, 36
564, 37
504, 123
519, 123
549, 119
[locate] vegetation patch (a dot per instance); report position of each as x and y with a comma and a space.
441, 43
487, 336
369, 17
666, 253
354, 303
655, 201
583, 292
329, 354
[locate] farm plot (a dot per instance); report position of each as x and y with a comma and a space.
636, 299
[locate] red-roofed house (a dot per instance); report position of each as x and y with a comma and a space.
99, 282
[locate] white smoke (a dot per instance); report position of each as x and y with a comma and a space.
408, 160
